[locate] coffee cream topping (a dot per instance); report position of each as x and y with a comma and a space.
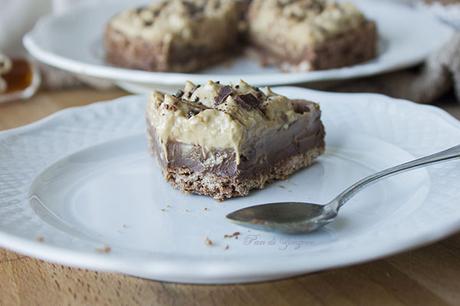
199, 22
303, 22
218, 116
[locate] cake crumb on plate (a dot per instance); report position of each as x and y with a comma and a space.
208, 242
105, 250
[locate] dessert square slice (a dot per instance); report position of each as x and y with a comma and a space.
173, 35
303, 35
223, 141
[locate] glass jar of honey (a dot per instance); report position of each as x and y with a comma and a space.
19, 78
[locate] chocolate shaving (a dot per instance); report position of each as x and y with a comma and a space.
195, 105
234, 235
192, 113
170, 107
192, 8
156, 13
248, 101
148, 23
224, 93
179, 93
140, 9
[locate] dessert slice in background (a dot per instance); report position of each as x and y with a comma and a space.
222, 141
303, 35
243, 26
173, 35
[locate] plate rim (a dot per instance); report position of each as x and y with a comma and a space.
106, 262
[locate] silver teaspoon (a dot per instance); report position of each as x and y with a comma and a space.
298, 217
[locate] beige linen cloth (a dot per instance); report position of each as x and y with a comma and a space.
424, 84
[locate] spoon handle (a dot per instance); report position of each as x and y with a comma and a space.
446, 155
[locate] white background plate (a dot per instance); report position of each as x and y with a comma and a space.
82, 179
73, 42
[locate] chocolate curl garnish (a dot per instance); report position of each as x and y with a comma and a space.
179, 93
192, 112
248, 101
224, 93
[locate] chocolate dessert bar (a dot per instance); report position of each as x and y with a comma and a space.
303, 35
173, 35
223, 141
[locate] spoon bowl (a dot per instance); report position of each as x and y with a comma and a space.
299, 217
285, 217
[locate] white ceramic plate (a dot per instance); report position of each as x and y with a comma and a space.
82, 179
447, 13
73, 42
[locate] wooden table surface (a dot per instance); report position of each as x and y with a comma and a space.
427, 276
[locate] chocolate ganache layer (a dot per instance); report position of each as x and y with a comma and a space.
223, 141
